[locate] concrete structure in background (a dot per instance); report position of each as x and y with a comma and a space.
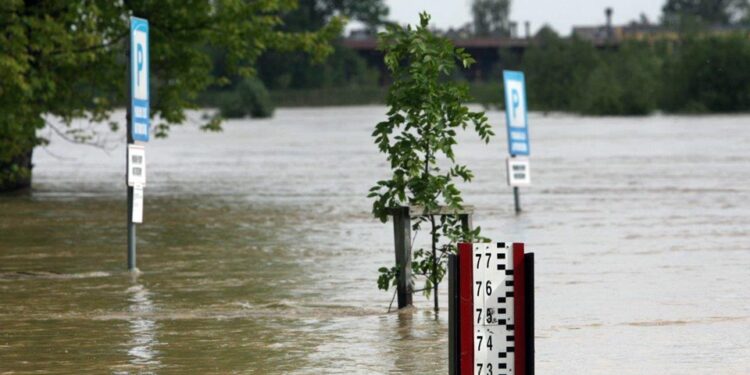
641, 30
494, 54
608, 34
488, 52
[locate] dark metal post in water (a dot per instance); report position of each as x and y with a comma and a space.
528, 261
516, 192
131, 231
129, 131
402, 235
434, 263
466, 224
454, 351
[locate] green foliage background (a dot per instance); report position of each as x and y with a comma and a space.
295, 76
66, 59
696, 73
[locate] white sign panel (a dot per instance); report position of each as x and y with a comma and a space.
519, 172
138, 204
493, 309
136, 165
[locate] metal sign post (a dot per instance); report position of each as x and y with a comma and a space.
491, 316
516, 115
138, 120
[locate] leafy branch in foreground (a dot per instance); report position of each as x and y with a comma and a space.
426, 109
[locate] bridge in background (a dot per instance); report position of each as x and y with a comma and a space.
492, 55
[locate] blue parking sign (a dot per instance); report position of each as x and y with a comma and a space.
516, 113
139, 79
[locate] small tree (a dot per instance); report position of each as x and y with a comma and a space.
426, 109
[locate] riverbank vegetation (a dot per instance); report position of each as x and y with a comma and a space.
694, 63
695, 74
66, 60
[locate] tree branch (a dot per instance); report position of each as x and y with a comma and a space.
93, 48
65, 136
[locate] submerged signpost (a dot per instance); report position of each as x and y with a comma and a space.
516, 115
139, 121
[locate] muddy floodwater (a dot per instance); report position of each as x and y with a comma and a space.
259, 255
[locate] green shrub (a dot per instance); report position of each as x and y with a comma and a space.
603, 93
557, 71
708, 74
488, 94
637, 70
249, 97
624, 82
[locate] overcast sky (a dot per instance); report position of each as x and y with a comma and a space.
562, 15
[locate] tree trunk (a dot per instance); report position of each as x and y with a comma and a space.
16, 173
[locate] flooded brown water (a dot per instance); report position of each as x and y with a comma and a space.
259, 255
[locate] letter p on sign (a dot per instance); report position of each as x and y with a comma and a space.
517, 106
140, 57
515, 112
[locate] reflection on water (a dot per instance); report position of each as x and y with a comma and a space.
41, 275
259, 253
142, 352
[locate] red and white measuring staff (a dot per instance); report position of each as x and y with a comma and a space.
495, 309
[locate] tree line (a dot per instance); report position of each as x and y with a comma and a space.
702, 70
65, 60
699, 71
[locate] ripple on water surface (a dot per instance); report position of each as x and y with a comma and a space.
259, 255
